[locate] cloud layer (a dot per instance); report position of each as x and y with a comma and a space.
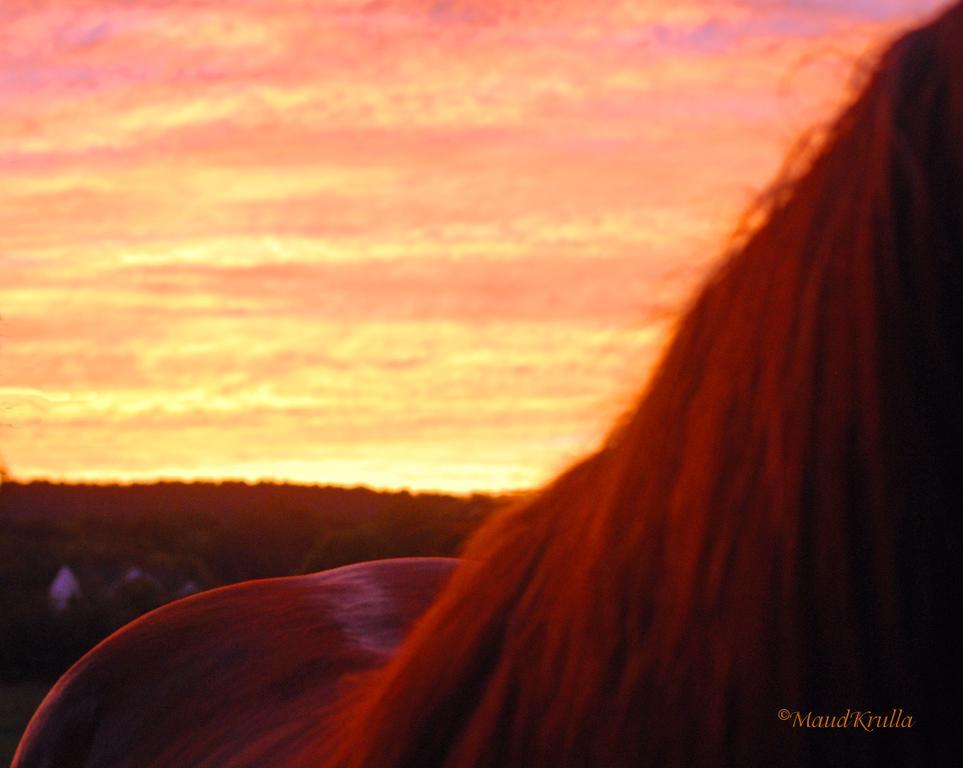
433, 244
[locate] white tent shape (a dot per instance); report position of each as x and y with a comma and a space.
63, 590
133, 574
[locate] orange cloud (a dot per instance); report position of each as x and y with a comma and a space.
433, 244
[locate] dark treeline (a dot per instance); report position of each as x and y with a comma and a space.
78, 561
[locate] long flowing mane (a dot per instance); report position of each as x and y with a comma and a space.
776, 523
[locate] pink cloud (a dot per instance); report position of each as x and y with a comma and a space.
324, 239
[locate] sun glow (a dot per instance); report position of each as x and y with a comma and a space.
405, 244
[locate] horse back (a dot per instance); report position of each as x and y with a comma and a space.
232, 677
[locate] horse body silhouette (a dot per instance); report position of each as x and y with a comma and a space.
775, 526
235, 676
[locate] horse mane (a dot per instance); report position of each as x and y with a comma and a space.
773, 526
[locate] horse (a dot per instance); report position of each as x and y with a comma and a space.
231, 676
759, 566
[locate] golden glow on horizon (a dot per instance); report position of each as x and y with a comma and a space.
404, 244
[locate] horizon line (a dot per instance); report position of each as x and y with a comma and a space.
105, 482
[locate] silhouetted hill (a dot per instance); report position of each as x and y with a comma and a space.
41, 499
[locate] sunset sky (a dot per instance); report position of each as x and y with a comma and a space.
399, 243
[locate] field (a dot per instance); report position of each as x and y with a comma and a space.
17, 703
